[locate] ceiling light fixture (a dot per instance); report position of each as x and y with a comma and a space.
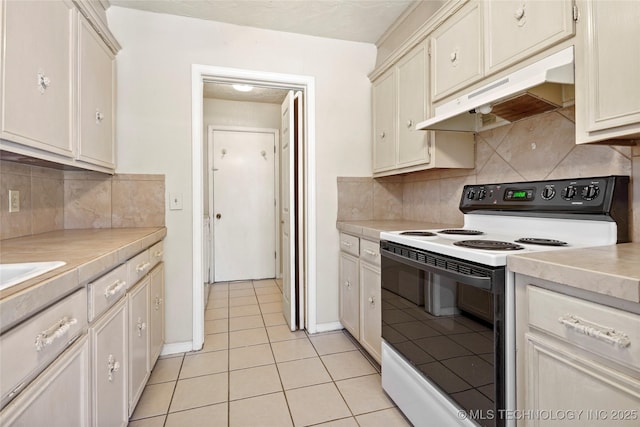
243, 88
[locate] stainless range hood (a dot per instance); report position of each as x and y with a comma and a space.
531, 90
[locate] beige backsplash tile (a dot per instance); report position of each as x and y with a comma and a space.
47, 198
592, 160
355, 199
137, 201
450, 193
421, 200
497, 170
87, 201
15, 224
387, 200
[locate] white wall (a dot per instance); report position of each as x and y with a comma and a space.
153, 130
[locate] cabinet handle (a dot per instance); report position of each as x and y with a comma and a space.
58, 329
383, 134
519, 15
370, 252
372, 301
112, 366
158, 254
347, 244
141, 326
142, 267
114, 288
347, 284
43, 82
453, 57
99, 117
157, 302
599, 332
410, 124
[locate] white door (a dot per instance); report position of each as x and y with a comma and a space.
288, 210
243, 205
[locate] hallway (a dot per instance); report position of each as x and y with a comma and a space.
253, 371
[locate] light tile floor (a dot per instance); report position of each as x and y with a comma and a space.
253, 371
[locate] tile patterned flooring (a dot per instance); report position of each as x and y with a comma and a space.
253, 371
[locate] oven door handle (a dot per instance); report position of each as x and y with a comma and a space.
481, 282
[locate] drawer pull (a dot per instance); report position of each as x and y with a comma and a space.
114, 289
158, 302
141, 326
347, 244
602, 333
43, 82
112, 366
142, 267
372, 301
347, 284
370, 252
47, 337
158, 254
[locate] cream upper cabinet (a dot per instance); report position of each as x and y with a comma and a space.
95, 107
607, 64
413, 145
384, 122
38, 74
517, 29
456, 51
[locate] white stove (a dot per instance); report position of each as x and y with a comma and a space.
448, 304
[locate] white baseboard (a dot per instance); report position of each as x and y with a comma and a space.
176, 347
326, 327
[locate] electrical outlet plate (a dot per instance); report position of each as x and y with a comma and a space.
14, 201
175, 201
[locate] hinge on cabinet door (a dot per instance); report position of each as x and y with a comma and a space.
576, 12
429, 50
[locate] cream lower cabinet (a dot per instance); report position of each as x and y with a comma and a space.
156, 313
607, 64
57, 397
359, 292
138, 341
108, 339
575, 355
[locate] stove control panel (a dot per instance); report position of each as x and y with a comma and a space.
563, 196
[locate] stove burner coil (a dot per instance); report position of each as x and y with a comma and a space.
493, 245
461, 232
418, 233
544, 242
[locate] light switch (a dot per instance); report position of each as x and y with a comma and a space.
175, 201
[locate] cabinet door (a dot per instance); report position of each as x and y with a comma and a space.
371, 314
95, 107
384, 122
349, 294
58, 397
109, 368
456, 52
38, 74
156, 313
516, 29
412, 108
607, 89
138, 341
559, 380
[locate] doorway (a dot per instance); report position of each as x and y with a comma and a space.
306, 223
242, 178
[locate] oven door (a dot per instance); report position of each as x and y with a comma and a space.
445, 317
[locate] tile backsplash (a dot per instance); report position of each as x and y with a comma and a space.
52, 199
542, 147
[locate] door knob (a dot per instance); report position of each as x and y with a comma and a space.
218, 216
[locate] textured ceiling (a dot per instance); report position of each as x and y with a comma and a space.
355, 20
258, 94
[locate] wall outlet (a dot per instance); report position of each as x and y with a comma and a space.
14, 201
175, 201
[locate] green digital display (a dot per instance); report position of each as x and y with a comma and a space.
519, 195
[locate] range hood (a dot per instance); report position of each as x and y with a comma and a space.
531, 90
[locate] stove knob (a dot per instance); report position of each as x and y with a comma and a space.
548, 193
471, 194
482, 194
569, 192
590, 192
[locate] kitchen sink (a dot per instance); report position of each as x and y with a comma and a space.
12, 274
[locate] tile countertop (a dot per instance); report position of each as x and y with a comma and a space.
372, 229
88, 253
608, 270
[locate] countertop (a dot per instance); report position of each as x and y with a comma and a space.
608, 270
88, 253
372, 229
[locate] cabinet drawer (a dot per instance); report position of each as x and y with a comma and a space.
155, 254
28, 348
608, 332
105, 291
350, 244
137, 267
370, 252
